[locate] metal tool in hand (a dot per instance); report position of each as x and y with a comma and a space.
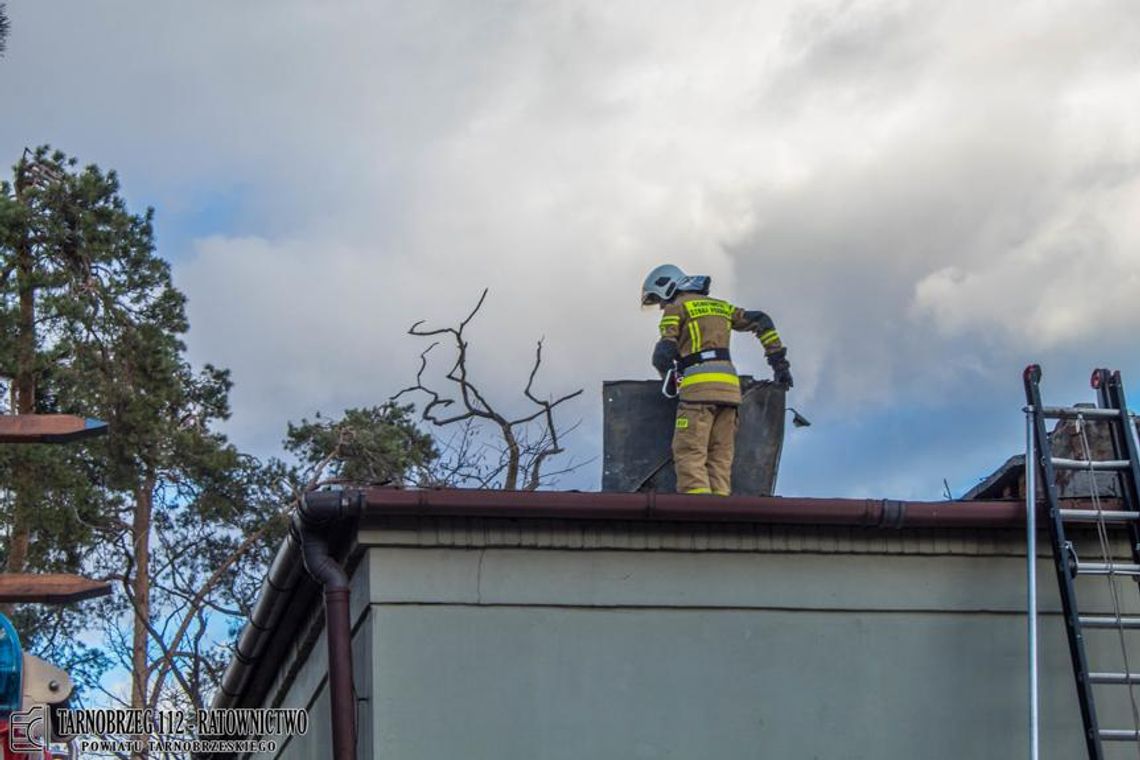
670, 387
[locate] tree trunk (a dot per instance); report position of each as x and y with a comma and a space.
25, 387
514, 455
140, 662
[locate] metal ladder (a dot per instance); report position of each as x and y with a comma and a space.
1125, 464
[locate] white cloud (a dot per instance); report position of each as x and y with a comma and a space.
921, 194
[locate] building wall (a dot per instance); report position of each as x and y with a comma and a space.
499, 640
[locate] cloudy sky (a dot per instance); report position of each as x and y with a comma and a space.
925, 196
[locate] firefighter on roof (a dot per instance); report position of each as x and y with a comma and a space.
695, 332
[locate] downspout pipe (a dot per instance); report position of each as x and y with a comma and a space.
317, 514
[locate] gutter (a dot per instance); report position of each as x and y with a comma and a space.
316, 514
306, 546
650, 506
280, 583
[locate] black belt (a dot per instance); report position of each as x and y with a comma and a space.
708, 355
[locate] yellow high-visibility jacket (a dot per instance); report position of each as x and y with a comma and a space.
692, 323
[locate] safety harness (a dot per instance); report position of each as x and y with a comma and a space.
708, 355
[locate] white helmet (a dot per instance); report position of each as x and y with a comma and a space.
661, 284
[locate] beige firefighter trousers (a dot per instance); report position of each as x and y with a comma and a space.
704, 441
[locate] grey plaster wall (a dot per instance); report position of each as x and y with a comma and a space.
554, 684
544, 653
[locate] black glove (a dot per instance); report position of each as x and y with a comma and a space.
782, 374
781, 369
664, 354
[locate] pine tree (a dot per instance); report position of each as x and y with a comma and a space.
50, 235
91, 324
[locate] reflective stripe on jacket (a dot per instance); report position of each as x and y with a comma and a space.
696, 323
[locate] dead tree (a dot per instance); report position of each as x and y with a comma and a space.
523, 455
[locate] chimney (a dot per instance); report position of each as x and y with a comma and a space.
637, 430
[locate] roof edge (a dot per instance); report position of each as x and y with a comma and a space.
670, 507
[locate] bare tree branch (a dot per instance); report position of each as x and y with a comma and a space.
199, 599
140, 615
523, 454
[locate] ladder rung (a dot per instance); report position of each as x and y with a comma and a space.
1115, 678
1073, 412
1108, 621
1119, 734
1080, 464
1107, 568
1093, 515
